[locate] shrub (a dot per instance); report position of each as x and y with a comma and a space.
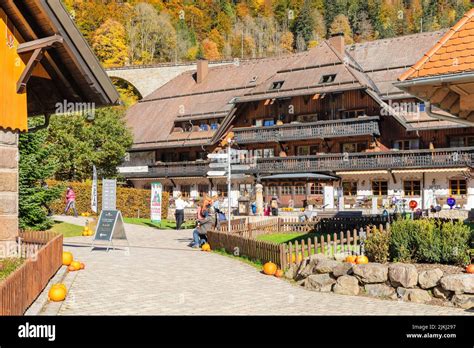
377, 245
454, 243
427, 240
402, 234
130, 201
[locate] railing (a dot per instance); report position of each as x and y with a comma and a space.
43, 253
440, 158
456, 157
177, 169
311, 130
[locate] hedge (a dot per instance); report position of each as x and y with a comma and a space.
130, 201
424, 240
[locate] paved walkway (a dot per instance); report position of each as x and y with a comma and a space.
161, 275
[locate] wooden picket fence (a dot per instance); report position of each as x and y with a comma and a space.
349, 223
241, 242
238, 245
346, 243
43, 254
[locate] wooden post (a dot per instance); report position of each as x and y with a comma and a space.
354, 240
323, 247
309, 247
348, 241
296, 252
328, 238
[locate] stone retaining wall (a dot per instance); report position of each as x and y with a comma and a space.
388, 281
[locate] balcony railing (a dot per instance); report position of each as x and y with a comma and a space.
456, 157
310, 130
440, 158
173, 169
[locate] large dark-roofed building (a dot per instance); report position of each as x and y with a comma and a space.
332, 113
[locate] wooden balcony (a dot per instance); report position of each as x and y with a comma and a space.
441, 158
174, 169
413, 159
310, 130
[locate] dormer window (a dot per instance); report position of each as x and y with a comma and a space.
277, 85
328, 78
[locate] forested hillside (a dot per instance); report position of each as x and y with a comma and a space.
144, 32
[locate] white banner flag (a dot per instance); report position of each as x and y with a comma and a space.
94, 191
155, 201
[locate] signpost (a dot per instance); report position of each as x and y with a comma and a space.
109, 194
155, 202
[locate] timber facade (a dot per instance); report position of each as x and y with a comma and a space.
325, 127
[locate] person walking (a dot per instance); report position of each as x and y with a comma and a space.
70, 201
179, 204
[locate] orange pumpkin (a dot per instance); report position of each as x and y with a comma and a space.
279, 273
206, 247
71, 268
67, 258
351, 259
83, 265
470, 268
57, 293
269, 268
76, 265
362, 259
60, 285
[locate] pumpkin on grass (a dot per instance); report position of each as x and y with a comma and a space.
470, 268
67, 258
269, 268
57, 293
362, 259
293, 258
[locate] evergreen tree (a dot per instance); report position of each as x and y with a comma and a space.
36, 165
304, 23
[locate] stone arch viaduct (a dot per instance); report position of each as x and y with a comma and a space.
148, 78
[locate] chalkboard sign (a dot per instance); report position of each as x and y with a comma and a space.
106, 224
110, 226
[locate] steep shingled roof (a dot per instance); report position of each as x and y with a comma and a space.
373, 65
152, 119
453, 53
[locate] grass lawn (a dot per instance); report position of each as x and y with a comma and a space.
254, 263
67, 230
164, 225
281, 238
7, 266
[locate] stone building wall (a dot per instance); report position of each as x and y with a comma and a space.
8, 186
